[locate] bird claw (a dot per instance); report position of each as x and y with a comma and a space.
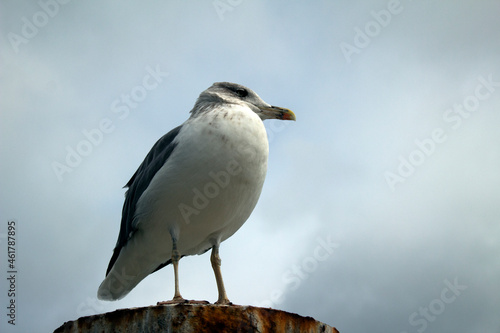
223, 302
175, 300
182, 301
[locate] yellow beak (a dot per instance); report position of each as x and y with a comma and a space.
275, 112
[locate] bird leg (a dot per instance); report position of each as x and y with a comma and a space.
216, 262
175, 262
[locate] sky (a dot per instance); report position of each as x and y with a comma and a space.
380, 211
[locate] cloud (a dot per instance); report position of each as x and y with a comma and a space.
326, 178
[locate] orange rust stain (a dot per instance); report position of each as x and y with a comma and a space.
197, 318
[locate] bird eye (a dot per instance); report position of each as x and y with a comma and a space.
241, 92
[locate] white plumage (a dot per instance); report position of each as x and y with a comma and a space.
196, 187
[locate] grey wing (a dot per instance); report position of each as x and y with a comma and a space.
139, 182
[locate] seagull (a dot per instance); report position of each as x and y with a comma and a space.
196, 187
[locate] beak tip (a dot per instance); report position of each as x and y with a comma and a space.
275, 112
289, 116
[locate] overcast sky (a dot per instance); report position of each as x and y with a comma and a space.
380, 212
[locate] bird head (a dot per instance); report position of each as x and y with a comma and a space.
227, 92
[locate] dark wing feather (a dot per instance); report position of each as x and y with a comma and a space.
139, 182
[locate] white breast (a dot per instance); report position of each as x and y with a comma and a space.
209, 185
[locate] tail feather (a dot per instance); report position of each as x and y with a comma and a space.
135, 261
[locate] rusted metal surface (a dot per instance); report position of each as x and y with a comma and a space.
189, 318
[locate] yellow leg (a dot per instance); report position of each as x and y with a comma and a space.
216, 262
175, 262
